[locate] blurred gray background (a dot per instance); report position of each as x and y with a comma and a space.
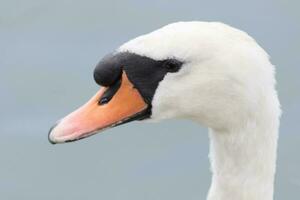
48, 50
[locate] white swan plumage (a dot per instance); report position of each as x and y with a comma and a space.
227, 83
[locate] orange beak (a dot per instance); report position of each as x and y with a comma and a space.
126, 105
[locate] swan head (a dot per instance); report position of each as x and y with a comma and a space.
203, 71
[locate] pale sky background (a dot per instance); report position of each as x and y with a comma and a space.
48, 50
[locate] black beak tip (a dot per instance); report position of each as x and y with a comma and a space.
49, 139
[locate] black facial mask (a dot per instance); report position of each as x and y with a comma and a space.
145, 73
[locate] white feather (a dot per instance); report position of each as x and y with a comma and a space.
227, 84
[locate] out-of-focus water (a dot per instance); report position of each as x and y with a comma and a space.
48, 50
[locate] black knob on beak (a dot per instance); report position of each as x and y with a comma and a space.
107, 71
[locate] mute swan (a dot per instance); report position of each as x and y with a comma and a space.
208, 72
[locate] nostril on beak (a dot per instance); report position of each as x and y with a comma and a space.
110, 92
103, 100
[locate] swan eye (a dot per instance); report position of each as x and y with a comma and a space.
172, 65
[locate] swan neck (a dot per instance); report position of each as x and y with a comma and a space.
243, 161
